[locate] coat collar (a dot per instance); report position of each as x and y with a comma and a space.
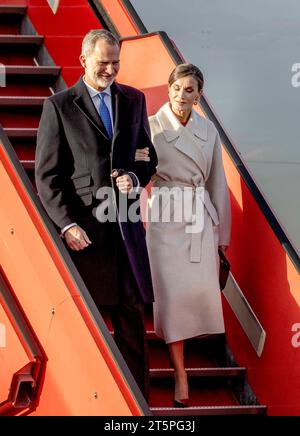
190, 140
83, 101
172, 128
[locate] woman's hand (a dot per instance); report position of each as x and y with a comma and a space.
142, 154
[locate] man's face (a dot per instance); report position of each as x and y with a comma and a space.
102, 65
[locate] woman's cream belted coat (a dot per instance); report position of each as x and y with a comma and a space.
189, 216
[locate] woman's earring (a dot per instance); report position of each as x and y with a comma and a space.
196, 102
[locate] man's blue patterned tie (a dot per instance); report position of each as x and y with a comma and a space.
105, 115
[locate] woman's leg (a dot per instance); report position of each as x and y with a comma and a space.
176, 350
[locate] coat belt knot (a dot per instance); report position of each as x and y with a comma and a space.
200, 199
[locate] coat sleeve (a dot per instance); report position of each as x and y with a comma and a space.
52, 161
216, 185
145, 170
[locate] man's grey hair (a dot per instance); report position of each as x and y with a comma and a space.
91, 38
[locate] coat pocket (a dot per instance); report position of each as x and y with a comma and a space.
82, 181
87, 199
82, 184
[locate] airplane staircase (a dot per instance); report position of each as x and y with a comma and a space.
27, 84
215, 386
218, 384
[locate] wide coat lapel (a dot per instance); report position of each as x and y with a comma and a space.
84, 103
118, 105
120, 102
190, 139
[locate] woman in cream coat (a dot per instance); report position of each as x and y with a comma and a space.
189, 219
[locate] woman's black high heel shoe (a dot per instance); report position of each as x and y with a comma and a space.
181, 404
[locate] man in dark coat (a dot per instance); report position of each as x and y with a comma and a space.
85, 167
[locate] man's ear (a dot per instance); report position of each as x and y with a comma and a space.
82, 60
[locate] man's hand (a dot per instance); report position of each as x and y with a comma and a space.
142, 154
76, 238
124, 183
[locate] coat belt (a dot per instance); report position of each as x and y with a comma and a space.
196, 237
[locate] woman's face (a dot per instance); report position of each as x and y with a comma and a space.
182, 94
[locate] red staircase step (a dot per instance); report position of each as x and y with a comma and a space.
19, 49
11, 18
209, 410
28, 86
16, 40
21, 70
25, 150
12, 10
29, 81
21, 101
23, 142
28, 164
227, 372
202, 392
194, 356
20, 133
207, 397
20, 55
20, 117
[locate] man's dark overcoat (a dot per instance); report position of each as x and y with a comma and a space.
74, 158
